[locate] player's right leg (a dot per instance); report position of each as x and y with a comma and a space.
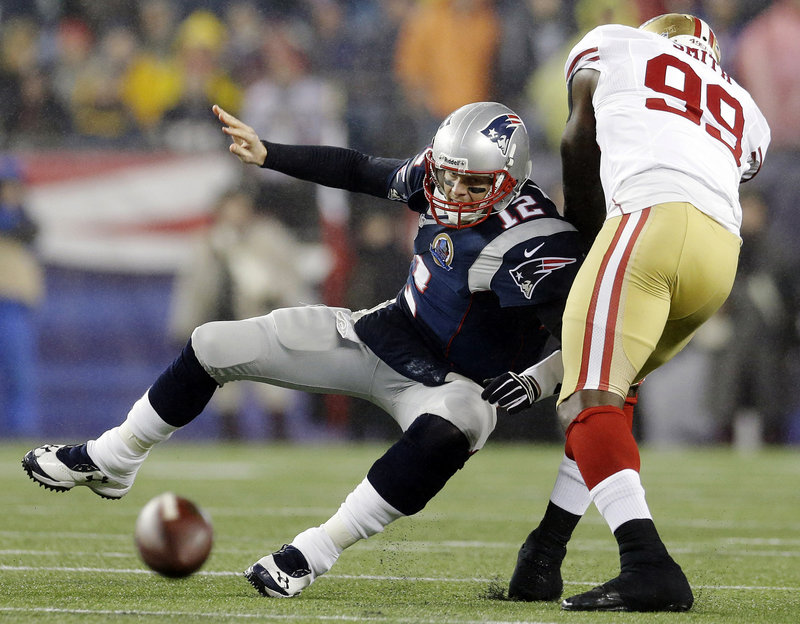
400, 483
443, 426
537, 574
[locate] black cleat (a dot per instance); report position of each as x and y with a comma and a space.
640, 587
602, 598
537, 576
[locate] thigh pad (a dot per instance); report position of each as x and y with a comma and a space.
311, 328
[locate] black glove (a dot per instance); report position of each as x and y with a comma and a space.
512, 391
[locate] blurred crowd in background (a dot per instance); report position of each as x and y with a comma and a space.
377, 76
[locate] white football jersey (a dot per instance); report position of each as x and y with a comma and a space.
671, 124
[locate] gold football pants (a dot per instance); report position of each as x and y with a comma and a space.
650, 280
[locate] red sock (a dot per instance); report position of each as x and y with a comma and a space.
601, 442
630, 403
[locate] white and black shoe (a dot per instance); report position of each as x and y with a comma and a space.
59, 468
282, 574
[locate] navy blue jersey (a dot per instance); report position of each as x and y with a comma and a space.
478, 301
472, 294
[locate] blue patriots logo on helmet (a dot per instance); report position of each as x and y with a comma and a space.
500, 130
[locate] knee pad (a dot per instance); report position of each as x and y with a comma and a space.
223, 345
183, 390
459, 402
414, 469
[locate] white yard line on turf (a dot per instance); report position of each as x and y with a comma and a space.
361, 577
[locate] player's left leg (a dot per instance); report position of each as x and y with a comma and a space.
108, 465
293, 347
443, 426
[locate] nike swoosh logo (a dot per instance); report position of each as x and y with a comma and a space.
528, 254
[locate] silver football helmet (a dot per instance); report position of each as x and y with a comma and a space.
686, 30
484, 141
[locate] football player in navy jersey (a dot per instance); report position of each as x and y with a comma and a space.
493, 263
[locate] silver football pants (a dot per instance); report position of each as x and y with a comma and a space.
315, 349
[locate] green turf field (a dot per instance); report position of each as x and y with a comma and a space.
732, 521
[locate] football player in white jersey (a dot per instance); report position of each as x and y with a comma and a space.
658, 139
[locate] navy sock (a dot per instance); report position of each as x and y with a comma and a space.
183, 390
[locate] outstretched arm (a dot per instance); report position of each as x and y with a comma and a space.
245, 143
336, 167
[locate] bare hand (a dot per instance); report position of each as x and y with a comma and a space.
245, 142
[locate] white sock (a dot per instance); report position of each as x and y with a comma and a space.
363, 513
120, 451
620, 498
570, 492
318, 549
